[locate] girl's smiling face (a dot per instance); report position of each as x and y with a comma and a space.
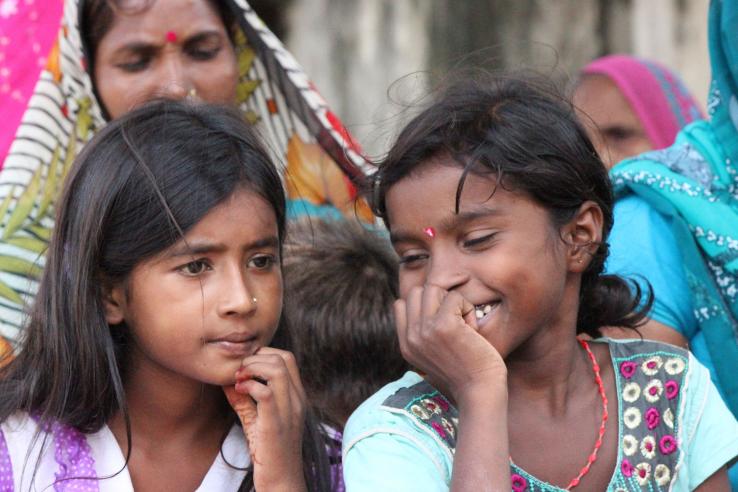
202, 305
501, 252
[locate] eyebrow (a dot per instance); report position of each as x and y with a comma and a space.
150, 46
192, 248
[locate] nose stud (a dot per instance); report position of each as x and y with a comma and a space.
253, 299
192, 93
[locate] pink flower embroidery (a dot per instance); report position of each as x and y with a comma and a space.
672, 389
653, 418
626, 468
441, 401
668, 444
627, 369
519, 484
437, 427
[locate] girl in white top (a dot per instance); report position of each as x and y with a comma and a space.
161, 293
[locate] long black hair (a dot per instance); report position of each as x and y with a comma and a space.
518, 127
136, 189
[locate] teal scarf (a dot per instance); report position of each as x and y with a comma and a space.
695, 181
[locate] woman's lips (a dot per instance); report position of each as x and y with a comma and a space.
236, 344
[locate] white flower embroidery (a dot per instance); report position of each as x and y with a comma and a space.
662, 474
631, 392
648, 447
630, 445
419, 412
674, 366
642, 473
668, 418
652, 391
652, 365
632, 417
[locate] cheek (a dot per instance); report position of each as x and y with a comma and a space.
218, 81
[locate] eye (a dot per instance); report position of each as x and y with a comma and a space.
203, 53
135, 65
475, 242
262, 262
195, 268
412, 260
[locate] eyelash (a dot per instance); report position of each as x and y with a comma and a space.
471, 243
270, 262
184, 269
144, 60
260, 262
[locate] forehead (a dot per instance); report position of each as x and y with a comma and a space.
599, 98
429, 192
139, 21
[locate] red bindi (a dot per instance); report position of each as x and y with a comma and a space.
430, 232
171, 37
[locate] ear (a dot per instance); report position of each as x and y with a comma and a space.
114, 300
583, 234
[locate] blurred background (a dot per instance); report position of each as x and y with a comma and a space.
371, 57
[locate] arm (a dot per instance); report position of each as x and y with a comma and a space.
438, 334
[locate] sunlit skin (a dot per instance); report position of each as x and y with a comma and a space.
173, 49
517, 375
611, 123
200, 313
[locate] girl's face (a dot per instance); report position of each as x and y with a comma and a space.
172, 49
201, 306
501, 253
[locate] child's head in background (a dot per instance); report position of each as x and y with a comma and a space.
340, 283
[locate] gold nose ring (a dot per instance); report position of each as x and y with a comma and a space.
192, 93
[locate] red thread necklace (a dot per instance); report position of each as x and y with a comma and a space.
598, 380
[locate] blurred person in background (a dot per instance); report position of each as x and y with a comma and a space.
630, 105
676, 223
111, 56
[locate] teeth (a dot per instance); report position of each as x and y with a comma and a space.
487, 309
479, 313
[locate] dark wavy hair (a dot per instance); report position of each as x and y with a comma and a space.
522, 130
135, 190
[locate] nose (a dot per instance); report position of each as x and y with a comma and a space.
174, 83
446, 272
235, 298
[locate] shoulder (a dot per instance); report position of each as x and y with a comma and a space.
410, 421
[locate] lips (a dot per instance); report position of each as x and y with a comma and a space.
236, 344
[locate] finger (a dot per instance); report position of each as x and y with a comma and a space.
291, 364
272, 369
432, 298
413, 304
457, 306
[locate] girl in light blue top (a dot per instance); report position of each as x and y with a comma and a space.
499, 210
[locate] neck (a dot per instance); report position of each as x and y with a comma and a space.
549, 368
165, 407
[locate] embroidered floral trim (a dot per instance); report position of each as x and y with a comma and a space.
642, 473
628, 368
668, 444
630, 445
653, 418
652, 365
648, 447
653, 390
669, 418
631, 392
674, 366
632, 417
671, 389
519, 483
626, 468
662, 474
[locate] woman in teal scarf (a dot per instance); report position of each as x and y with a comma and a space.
676, 221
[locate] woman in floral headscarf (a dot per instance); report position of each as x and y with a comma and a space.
676, 221
124, 54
